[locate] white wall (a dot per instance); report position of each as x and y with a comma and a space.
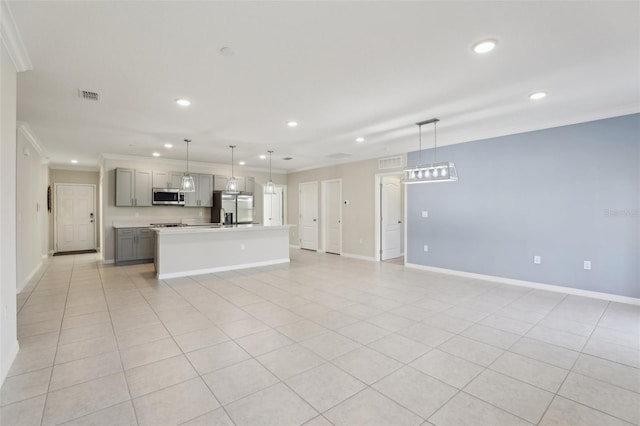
111, 213
31, 209
8, 315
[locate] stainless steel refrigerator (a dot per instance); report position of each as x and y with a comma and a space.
231, 209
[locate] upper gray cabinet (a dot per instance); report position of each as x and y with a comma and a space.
133, 187
220, 183
250, 184
203, 194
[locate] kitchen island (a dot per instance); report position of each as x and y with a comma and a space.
195, 250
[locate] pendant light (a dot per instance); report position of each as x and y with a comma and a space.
270, 187
187, 185
232, 183
434, 172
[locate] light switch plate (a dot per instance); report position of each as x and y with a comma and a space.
425, 213
587, 265
537, 260
426, 248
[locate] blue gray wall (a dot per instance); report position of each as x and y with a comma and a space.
567, 194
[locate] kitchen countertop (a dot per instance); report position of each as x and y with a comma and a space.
216, 228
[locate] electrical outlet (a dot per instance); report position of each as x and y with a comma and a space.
241, 246
426, 248
537, 260
200, 213
360, 240
587, 265
425, 213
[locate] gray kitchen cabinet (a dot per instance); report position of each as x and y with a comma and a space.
161, 179
135, 245
124, 187
241, 183
175, 179
143, 188
220, 183
203, 194
133, 187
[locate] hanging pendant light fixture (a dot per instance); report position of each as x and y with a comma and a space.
187, 185
270, 187
232, 183
434, 172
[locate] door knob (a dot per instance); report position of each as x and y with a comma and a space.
315, 220
399, 221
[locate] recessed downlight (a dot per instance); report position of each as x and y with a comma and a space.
74, 161
292, 123
183, 102
360, 139
156, 154
168, 145
535, 96
242, 163
484, 46
263, 157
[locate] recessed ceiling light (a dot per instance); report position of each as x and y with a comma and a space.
183, 102
360, 139
74, 161
484, 46
537, 95
263, 157
168, 145
292, 123
242, 163
156, 154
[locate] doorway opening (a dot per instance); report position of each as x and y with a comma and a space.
74, 217
332, 216
390, 217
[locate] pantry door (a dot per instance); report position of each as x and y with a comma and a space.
75, 217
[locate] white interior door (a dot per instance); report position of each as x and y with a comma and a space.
75, 217
332, 220
273, 208
308, 215
391, 220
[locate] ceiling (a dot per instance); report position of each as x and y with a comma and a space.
342, 70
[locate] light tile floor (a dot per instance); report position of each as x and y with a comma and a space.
323, 340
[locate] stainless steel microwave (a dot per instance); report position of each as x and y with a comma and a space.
168, 196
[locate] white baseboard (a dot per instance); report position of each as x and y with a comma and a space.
11, 356
108, 261
530, 284
45, 256
293, 246
24, 282
359, 257
221, 269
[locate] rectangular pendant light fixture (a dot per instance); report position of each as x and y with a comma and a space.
434, 172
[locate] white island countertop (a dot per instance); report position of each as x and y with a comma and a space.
194, 250
210, 227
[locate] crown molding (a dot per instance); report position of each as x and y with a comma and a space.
182, 163
27, 132
74, 168
12, 40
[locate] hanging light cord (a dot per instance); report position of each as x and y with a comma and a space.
435, 142
420, 142
232, 148
187, 141
270, 152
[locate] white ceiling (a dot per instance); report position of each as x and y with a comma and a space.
341, 69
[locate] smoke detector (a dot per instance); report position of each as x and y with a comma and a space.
89, 95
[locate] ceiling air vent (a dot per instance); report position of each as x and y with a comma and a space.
287, 158
390, 162
89, 95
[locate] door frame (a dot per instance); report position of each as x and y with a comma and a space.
324, 214
377, 223
55, 213
300, 227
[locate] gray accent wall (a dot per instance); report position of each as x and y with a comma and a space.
567, 194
